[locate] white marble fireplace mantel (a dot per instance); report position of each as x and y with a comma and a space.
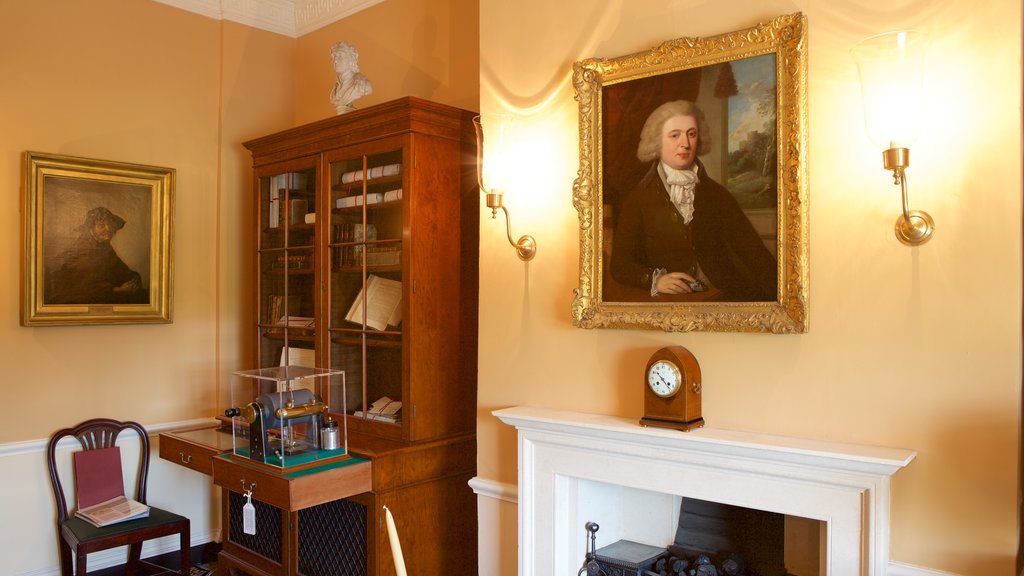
844, 486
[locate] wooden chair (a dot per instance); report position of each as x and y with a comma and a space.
83, 537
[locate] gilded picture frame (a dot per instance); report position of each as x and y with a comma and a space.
96, 241
750, 87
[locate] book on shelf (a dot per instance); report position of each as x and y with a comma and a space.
393, 419
383, 255
354, 233
349, 201
292, 261
292, 356
370, 198
371, 173
297, 208
383, 303
99, 488
297, 321
385, 409
282, 185
113, 511
278, 307
274, 210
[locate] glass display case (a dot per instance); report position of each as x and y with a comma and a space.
279, 418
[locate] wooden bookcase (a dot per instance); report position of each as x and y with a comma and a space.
385, 199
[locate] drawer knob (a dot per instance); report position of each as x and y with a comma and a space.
185, 460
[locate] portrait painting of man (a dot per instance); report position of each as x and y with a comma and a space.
96, 246
690, 185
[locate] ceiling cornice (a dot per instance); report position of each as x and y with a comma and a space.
288, 17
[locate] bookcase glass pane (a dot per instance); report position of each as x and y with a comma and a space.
366, 282
347, 355
383, 380
287, 209
287, 260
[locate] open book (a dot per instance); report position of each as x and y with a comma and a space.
99, 486
383, 303
119, 509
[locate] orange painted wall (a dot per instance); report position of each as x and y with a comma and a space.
418, 48
911, 348
139, 81
135, 82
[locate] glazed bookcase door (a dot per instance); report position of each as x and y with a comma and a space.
368, 303
286, 264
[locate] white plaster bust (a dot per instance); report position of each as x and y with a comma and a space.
351, 83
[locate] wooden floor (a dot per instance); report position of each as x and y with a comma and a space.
202, 555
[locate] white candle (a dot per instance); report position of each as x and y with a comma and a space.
396, 546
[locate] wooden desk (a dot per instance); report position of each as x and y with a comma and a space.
303, 522
195, 449
328, 521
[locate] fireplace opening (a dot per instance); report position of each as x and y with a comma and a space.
734, 539
635, 535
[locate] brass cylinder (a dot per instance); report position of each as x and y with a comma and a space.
289, 412
248, 412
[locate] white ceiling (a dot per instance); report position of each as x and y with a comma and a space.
288, 17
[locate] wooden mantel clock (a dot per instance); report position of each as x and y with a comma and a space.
672, 390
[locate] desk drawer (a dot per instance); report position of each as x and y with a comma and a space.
270, 488
294, 491
198, 457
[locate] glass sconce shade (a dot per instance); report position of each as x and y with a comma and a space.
891, 68
499, 171
495, 175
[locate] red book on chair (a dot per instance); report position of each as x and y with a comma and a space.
98, 476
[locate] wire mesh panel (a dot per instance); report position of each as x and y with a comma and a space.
332, 539
267, 540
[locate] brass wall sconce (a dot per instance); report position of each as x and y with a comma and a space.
526, 247
891, 68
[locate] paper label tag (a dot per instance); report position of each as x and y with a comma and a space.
249, 516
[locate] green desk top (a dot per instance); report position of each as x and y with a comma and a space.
351, 461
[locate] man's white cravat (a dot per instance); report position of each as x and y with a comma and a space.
681, 185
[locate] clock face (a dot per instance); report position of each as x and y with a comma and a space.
664, 378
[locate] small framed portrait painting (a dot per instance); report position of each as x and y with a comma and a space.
96, 241
692, 187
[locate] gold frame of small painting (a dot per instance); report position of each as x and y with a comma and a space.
96, 241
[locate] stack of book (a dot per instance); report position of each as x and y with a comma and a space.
371, 173
99, 484
385, 409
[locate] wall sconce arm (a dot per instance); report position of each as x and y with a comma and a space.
913, 227
526, 247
